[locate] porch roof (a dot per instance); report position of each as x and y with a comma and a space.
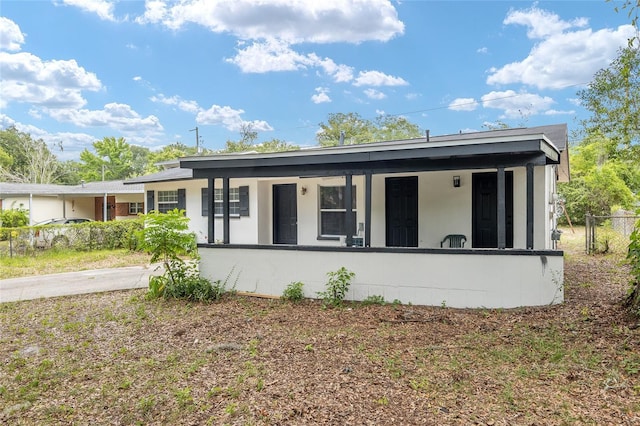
88, 189
489, 149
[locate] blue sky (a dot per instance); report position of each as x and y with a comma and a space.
76, 71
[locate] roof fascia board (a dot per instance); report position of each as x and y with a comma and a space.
376, 167
334, 157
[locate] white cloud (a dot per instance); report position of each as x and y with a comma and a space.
11, 38
275, 55
183, 105
271, 55
558, 112
53, 84
321, 95
412, 96
463, 104
483, 50
563, 58
230, 119
216, 115
294, 21
339, 72
377, 78
542, 23
374, 94
102, 8
515, 105
116, 116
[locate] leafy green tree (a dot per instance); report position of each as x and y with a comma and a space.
275, 145
619, 111
247, 138
393, 127
598, 182
28, 161
613, 99
113, 154
69, 173
358, 130
5, 159
167, 153
247, 142
139, 159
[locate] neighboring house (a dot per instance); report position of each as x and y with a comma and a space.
46, 201
285, 218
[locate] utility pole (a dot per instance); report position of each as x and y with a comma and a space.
197, 140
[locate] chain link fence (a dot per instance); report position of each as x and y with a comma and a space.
609, 234
31, 240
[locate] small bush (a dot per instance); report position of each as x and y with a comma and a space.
167, 238
293, 292
337, 287
374, 300
12, 218
633, 257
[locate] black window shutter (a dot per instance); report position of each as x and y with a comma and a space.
244, 200
182, 199
151, 201
205, 201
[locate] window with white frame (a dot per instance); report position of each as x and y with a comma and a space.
234, 201
135, 208
167, 201
238, 201
333, 211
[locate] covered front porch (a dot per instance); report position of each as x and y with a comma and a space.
496, 188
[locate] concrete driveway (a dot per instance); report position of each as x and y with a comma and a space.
68, 283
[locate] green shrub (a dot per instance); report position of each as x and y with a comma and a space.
374, 300
337, 287
12, 218
293, 292
633, 256
166, 236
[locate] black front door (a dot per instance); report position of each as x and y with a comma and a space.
485, 210
285, 214
401, 211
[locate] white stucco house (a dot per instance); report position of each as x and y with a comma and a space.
283, 217
87, 200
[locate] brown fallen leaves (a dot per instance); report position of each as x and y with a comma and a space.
117, 358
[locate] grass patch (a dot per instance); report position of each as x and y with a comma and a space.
56, 261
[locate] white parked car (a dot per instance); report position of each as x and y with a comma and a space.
54, 232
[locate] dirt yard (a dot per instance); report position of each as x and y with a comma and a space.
118, 358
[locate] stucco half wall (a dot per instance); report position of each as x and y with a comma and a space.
456, 277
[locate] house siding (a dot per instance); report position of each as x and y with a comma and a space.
244, 230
